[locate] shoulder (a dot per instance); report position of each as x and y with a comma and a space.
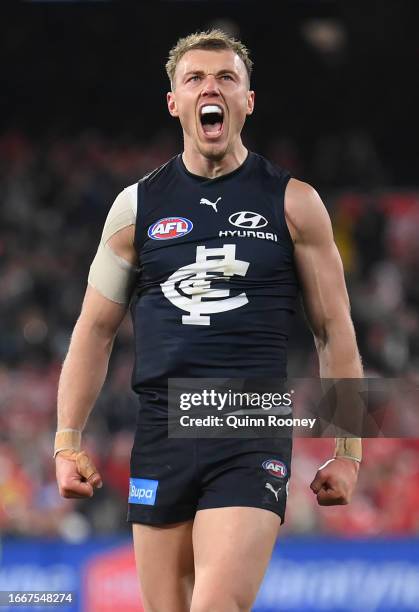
305, 213
269, 169
122, 213
126, 202
158, 174
127, 198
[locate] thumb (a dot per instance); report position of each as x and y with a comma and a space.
317, 483
96, 481
320, 478
87, 469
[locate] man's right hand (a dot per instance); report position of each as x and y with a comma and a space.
76, 474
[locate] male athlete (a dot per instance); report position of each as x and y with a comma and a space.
207, 249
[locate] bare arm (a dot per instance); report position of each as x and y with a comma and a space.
320, 270
86, 364
326, 305
82, 377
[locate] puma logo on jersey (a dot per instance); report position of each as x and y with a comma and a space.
191, 288
270, 488
209, 203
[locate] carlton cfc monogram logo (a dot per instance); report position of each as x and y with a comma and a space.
186, 287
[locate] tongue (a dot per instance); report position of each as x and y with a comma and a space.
212, 127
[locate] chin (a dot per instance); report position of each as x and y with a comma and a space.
213, 151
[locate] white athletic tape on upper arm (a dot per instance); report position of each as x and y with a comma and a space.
132, 191
109, 273
122, 213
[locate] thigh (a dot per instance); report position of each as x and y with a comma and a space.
165, 565
232, 548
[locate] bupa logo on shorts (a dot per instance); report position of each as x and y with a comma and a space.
275, 468
170, 227
142, 491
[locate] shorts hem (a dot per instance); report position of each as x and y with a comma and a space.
245, 504
159, 516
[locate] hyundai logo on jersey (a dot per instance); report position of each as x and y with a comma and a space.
170, 227
275, 468
247, 219
142, 491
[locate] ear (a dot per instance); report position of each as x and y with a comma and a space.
171, 104
250, 102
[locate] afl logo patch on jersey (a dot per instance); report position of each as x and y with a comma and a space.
169, 227
275, 468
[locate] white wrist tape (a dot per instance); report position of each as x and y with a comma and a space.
350, 448
67, 439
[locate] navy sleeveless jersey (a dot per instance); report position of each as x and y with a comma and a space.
217, 284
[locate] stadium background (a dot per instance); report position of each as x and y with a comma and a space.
83, 115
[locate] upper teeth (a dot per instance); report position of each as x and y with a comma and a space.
211, 108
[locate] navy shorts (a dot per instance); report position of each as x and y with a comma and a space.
171, 479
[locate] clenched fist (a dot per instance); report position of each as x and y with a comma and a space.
76, 474
335, 481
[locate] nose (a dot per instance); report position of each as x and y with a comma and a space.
210, 86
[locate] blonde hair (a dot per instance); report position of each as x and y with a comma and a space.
211, 39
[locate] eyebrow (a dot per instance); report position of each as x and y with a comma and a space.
201, 72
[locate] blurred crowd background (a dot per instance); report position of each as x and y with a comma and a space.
84, 116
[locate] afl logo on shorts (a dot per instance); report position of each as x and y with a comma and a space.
170, 227
275, 468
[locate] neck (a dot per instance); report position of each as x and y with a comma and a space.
199, 164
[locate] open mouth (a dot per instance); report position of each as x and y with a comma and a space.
212, 120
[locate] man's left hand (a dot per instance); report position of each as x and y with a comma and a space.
335, 481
